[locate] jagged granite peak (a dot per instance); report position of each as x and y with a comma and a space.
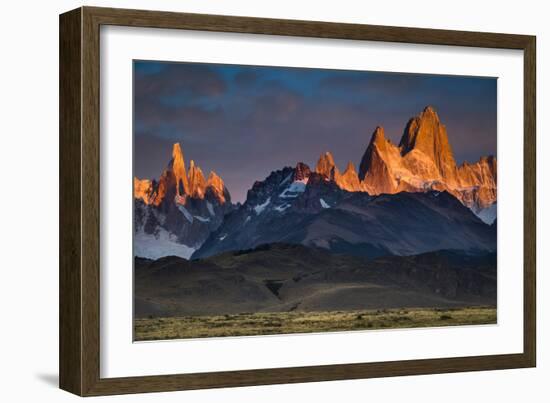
176, 214
425, 133
378, 136
376, 168
177, 164
327, 169
301, 172
270, 188
178, 183
377, 145
197, 182
419, 131
216, 185
143, 189
167, 188
326, 166
424, 161
483, 172
349, 179
483, 175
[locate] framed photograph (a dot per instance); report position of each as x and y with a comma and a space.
249, 201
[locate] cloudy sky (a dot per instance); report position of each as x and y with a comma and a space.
245, 121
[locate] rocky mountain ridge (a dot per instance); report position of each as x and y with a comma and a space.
176, 182
293, 207
185, 214
175, 215
424, 161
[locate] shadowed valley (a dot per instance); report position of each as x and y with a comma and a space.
302, 281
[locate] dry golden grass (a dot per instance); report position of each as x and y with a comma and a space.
247, 324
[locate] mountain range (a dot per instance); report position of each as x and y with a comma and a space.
424, 161
405, 199
177, 213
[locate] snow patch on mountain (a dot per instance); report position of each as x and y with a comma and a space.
210, 209
324, 204
202, 219
186, 213
282, 207
155, 246
261, 207
294, 189
487, 215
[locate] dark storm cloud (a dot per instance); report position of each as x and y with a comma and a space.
275, 103
243, 122
178, 81
376, 84
177, 117
246, 78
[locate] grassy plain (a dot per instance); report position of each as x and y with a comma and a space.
263, 323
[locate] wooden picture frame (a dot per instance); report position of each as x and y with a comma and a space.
79, 346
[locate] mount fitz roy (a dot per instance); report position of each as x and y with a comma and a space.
404, 199
424, 161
